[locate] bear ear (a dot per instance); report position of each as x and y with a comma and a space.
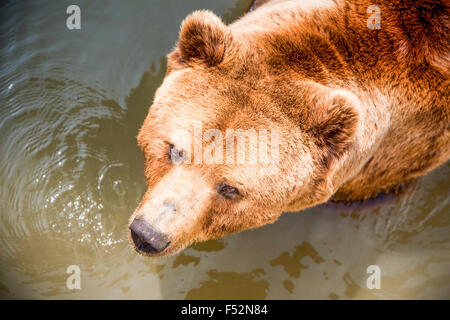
203, 37
334, 126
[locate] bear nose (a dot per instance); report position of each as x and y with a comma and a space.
147, 238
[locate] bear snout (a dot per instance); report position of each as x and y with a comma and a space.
146, 238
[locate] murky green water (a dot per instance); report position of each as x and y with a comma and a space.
71, 175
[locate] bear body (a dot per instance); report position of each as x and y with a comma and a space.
357, 110
403, 67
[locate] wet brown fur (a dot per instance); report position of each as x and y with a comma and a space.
370, 107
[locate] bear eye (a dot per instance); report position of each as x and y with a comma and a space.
175, 155
228, 191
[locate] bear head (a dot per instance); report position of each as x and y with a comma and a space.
234, 137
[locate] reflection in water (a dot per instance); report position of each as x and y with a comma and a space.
71, 176
292, 263
288, 285
229, 285
183, 259
212, 245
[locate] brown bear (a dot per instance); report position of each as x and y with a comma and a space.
357, 96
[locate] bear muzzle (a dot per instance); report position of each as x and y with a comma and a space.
146, 238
